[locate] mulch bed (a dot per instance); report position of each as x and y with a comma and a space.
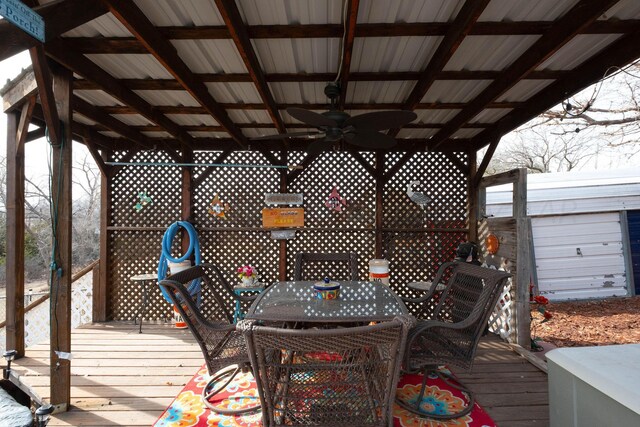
590, 323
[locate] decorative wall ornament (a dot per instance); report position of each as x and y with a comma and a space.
335, 202
143, 200
492, 244
217, 208
417, 197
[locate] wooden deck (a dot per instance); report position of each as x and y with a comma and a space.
120, 377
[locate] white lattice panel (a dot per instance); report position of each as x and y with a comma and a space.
502, 318
36, 321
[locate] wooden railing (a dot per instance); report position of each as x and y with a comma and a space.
33, 304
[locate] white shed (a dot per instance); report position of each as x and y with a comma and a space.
582, 238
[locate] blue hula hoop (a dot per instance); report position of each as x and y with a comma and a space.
165, 255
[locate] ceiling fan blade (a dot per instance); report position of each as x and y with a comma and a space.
367, 138
311, 117
287, 135
317, 146
381, 120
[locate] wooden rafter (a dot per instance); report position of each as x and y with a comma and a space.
237, 30
461, 26
366, 165
94, 113
475, 180
170, 84
137, 23
347, 49
75, 12
97, 157
89, 70
45, 90
132, 45
562, 31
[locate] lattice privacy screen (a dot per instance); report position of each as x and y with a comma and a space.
415, 240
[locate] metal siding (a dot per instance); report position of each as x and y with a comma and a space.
564, 274
455, 90
489, 53
185, 13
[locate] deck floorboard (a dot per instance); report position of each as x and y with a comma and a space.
120, 377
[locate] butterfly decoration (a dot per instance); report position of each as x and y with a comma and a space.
217, 208
335, 202
143, 200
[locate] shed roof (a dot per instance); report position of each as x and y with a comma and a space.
214, 75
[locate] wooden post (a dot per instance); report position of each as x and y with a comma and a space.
380, 182
523, 256
472, 188
60, 368
282, 267
186, 196
101, 307
17, 124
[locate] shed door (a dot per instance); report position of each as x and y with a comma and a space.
633, 219
579, 256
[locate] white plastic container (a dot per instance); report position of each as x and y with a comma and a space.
379, 271
177, 267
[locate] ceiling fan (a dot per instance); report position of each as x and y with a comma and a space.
335, 125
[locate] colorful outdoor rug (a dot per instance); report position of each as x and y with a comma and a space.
188, 410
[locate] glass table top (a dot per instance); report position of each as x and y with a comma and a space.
297, 301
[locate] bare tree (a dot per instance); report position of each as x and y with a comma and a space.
603, 120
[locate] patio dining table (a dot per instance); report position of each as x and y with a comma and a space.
296, 301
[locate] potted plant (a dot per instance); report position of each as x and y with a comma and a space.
248, 275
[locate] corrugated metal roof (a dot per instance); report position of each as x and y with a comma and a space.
379, 92
526, 10
245, 93
624, 9
106, 25
210, 56
486, 53
181, 13
466, 133
376, 11
97, 97
250, 116
193, 119
444, 91
209, 134
282, 12
392, 53
168, 97
297, 93
435, 116
131, 66
298, 55
580, 48
82, 119
490, 115
132, 119
416, 133
523, 90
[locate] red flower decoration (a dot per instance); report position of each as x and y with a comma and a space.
547, 315
540, 299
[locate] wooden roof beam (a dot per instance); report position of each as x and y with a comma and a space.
45, 90
563, 30
92, 112
238, 31
619, 53
171, 84
347, 50
75, 13
89, 70
208, 128
137, 23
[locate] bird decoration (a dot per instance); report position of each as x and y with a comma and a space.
218, 209
335, 202
417, 197
143, 200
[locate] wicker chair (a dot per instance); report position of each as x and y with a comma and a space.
459, 315
328, 377
337, 266
224, 349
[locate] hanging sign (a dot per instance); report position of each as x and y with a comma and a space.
282, 217
283, 234
335, 201
23, 17
283, 199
